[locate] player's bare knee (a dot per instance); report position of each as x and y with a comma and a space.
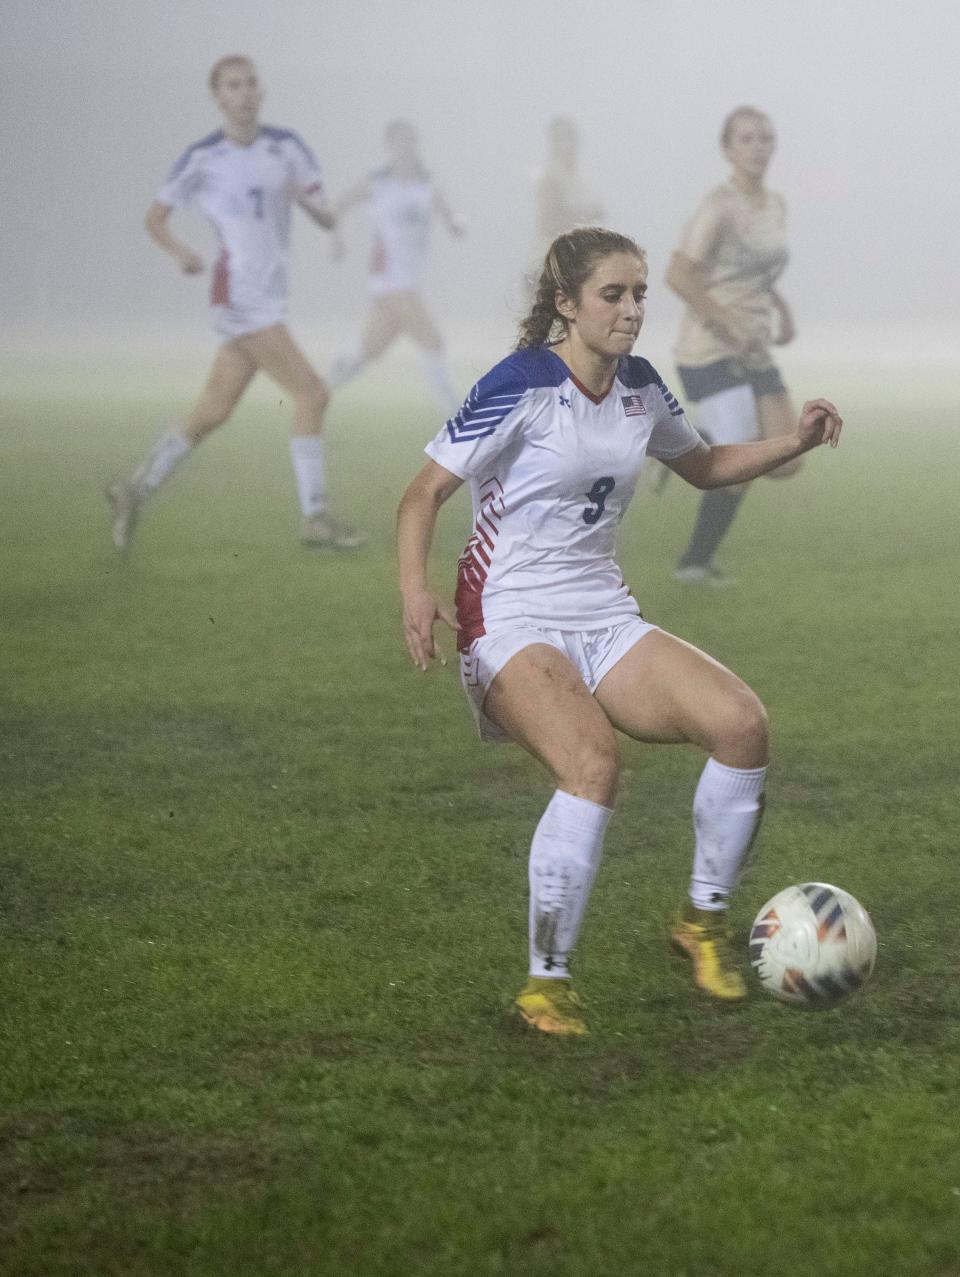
314, 396
593, 770
743, 735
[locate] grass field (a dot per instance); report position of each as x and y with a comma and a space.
264, 895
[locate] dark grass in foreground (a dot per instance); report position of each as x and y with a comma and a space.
264, 896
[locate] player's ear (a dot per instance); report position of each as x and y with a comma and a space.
566, 308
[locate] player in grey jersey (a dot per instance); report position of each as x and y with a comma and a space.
726, 268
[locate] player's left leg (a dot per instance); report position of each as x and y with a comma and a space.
777, 417
229, 377
729, 416
277, 354
665, 690
419, 323
384, 325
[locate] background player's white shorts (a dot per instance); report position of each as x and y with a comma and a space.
729, 416
593, 652
231, 321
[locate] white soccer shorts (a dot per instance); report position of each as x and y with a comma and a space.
593, 652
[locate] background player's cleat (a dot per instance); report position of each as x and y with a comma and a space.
125, 503
705, 942
551, 1006
696, 574
321, 530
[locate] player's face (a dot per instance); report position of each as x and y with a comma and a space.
238, 93
751, 145
608, 315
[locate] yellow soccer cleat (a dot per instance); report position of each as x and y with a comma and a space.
551, 1006
702, 936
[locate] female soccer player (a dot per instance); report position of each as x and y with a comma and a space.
729, 258
244, 177
402, 200
554, 653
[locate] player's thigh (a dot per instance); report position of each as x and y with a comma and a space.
667, 691
729, 415
777, 417
418, 322
229, 376
541, 701
384, 324
276, 353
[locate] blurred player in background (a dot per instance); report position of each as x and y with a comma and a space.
725, 267
244, 178
554, 652
561, 198
402, 200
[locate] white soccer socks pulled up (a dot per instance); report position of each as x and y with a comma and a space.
308, 458
160, 462
727, 809
564, 858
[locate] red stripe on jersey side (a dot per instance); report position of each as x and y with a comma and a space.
220, 286
473, 564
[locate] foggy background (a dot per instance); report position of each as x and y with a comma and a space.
101, 96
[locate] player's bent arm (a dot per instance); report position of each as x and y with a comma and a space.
353, 195
416, 520
156, 222
688, 279
787, 329
356, 194
319, 211
446, 214
724, 464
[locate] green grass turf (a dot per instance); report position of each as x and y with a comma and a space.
263, 894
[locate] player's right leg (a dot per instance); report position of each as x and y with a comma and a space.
727, 416
229, 377
278, 355
539, 699
419, 323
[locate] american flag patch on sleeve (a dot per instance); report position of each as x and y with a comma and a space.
632, 405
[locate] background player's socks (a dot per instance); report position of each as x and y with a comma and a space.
564, 857
727, 808
438, 375
310, 471
716, 513
344, 368
160, 462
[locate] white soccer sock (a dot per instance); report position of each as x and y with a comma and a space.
344, 368
310, 472
439, 377
727, 808
564, 858
160, 461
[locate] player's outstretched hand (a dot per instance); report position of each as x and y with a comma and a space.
420, 612
819, 423
191, 263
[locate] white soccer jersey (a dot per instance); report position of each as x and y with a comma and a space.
400, 210
246, 192
551, 471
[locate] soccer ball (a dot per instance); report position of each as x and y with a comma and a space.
812, 945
